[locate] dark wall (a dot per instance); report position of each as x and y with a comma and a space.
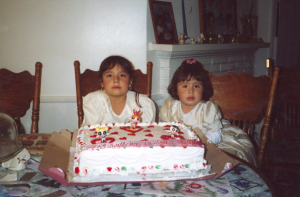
288, 51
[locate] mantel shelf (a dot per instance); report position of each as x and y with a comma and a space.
165, 50
201, 47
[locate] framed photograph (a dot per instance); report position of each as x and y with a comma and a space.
249, 25
163, 22
218, 16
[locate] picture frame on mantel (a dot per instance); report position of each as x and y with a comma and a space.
163, 22
218, 16
249, 25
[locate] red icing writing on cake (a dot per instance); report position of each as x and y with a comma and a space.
146, 143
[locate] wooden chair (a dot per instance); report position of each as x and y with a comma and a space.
282, 161
241, 99
17, 90
89, 81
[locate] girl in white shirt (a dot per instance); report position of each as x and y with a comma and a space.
114, 103
190, 90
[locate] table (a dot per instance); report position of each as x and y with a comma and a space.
245, 180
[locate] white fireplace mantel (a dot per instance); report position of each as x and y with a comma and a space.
215, 58
170, 50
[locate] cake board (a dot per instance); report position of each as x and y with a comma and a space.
55, 160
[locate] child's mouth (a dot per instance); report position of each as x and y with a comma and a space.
191, 98
116, 87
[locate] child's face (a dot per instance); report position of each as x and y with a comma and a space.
115, 81
189, 93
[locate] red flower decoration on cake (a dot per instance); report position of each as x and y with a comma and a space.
149, 135
144, 140
122, 138
175, 166
85, 171
151, 126
114, 133
150, 167
181, 166
132, 134
144, 168
204, 164
93, 136
117, 169
77, 170
147, 130
109, 169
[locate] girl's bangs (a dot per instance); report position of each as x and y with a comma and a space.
188, 74
113, 64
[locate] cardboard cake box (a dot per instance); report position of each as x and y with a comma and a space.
55, 160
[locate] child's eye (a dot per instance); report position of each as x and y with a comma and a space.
184, 86
123, 75
109, 75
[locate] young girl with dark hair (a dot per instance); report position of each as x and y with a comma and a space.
190, 89
114, 103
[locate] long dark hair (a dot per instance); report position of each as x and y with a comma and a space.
191, 69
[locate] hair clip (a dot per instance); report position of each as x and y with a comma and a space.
193, 61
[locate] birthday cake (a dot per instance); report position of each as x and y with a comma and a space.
150, 151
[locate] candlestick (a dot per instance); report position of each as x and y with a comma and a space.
183, 19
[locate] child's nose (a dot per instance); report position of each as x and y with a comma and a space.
116, 79
191, 90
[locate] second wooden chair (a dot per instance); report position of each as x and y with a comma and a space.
242, 98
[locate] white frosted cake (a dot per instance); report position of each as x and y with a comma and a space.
149, 152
